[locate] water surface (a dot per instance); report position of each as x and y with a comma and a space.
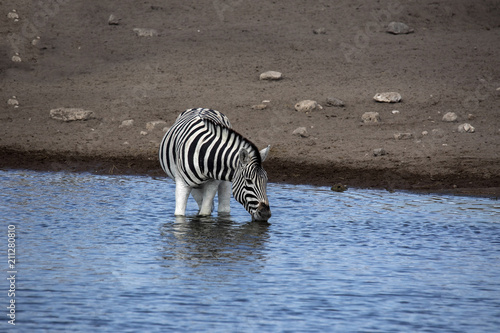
105, 253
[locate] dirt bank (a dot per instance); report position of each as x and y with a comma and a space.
210, 54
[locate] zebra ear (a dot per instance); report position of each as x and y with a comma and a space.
244, 157
264, 152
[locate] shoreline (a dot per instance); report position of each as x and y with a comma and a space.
280, 170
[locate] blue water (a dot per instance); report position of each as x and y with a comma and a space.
105, 254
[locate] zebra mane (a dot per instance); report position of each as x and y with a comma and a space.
245, 142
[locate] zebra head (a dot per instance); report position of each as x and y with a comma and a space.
249, 184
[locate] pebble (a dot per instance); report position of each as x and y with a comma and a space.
339, 188
113, 20
395, 112
319, 31
371, 117
388, 97
333, 101
13, 101
403, 136
143, 32
16, 58
301, 131
271, 75
151, 125
127, 123
398, 28
466, 128
13, 15
259, 106
144, 133
379, 152
450, 117
307, 106
71, 114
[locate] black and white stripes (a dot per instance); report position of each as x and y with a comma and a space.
201, 153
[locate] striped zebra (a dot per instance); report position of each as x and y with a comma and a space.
204, 155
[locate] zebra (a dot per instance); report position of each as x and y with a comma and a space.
204, 155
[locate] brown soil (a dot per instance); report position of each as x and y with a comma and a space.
210, 54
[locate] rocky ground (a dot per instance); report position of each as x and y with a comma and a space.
154, 59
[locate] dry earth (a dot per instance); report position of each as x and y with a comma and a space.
211, 53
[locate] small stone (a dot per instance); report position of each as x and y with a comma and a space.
398, 28
395, 112
127, 123
450, 117
113, 20
319, 31
471, 116
339, 188
301, 131
379, 152
424, 133
16, 58
307, 106
152, 124
466, 128
144, 133
271, 75
259, 106
143, 32
13, 101
403, 136
370, 117
35, 41
71, 114
13, 15
388, 97
333, 101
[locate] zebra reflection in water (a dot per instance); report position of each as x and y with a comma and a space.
204, 155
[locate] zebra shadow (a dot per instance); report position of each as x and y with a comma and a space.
213, 239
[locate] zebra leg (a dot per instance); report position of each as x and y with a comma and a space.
209, 191
224, 196
197, 194
181, 196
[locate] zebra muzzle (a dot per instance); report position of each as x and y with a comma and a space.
263, 212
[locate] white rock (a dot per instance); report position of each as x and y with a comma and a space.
424, 133
403, 136
152, 124
450, 117
466, 128
307, 106
301, 131
371, 117
271, 75
13, 101
13, 15
388, 97
127, 123
71, 114
16, 58
144, 133
113, 20
398, 28
143, 32
395, 112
